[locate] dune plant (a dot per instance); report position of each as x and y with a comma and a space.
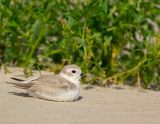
113, 41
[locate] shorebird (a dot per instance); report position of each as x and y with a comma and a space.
64, 86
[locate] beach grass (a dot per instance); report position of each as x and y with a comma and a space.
112, 41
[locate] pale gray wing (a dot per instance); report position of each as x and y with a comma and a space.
51, 84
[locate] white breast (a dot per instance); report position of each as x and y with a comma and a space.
66, 96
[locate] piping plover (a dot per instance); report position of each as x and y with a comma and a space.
64, 86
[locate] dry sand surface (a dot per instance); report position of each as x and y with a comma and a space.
98, 106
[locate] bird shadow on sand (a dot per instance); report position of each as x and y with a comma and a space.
26, 95
80, 97
19, 94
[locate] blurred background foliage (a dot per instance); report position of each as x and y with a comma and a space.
113, 41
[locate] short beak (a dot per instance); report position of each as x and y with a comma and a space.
83, 75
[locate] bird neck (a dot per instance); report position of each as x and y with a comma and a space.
70, 79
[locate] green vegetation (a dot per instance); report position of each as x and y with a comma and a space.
115, 41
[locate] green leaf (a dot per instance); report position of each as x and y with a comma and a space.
104, 5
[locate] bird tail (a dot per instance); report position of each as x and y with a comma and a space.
23, 84
16, 79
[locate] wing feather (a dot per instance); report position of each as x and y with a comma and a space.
51, 85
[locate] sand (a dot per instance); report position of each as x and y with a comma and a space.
97, 106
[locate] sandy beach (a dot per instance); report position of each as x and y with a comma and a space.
97, 106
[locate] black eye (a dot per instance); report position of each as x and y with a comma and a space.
73, 71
